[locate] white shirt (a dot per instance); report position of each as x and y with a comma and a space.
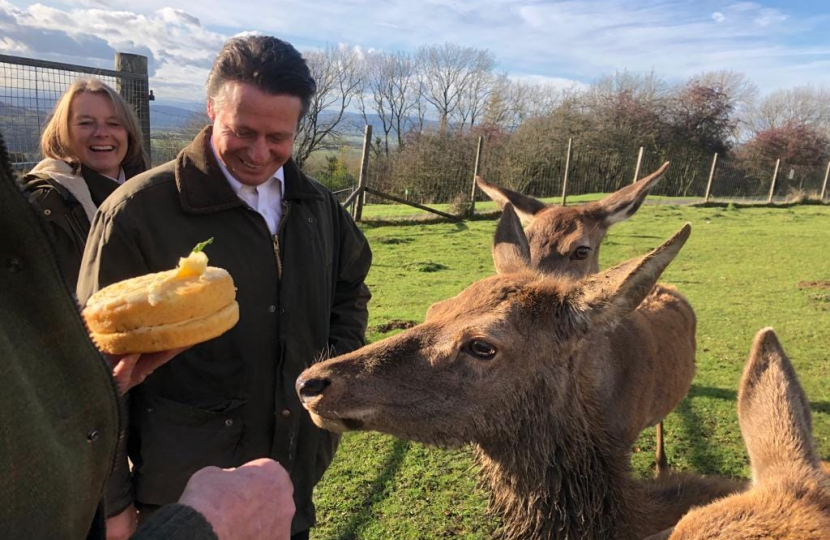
265, 198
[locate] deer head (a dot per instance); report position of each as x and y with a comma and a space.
790, 498
507, 344
566, 240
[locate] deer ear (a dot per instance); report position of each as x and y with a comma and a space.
619, 290
623, 203
511, 251
773, 410
526, 207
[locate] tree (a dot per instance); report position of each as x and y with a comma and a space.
337, 71
448, 74
806, 105
702, 117
793, 143
390, 92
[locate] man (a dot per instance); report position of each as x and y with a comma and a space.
297, 260
59, 413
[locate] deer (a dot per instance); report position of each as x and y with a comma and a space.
566, 241
790, 494
521, 365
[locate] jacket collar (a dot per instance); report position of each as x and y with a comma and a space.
203, 188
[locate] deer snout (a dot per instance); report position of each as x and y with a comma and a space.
308, 389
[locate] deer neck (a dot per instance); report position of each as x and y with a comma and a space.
560, 477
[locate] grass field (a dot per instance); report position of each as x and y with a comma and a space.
742, 269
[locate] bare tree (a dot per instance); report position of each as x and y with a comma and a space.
804, 105
338, 72
447, 73
473, 100
390, 92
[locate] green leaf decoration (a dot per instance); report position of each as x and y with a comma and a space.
202, 245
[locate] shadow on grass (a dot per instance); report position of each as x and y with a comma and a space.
704, 457
375, 492
732, 395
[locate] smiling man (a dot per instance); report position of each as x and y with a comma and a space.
297, 260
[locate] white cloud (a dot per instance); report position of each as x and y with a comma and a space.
718, 16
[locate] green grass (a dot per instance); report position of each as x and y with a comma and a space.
741, 270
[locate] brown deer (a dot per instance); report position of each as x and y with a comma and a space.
565, 241
521, 364
790, 498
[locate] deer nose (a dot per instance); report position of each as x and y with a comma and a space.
310, 388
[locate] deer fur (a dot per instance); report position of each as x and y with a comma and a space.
790, 497
521, 365
565, 241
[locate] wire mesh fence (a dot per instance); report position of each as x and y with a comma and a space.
30, 88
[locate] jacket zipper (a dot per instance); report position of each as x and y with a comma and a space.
286, 208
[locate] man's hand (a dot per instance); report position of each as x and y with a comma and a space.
122, 526
251, 502
131, 369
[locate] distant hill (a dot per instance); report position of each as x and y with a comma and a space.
169, 117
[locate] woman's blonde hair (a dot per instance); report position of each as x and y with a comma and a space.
56, 142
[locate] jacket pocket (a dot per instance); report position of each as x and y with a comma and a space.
174, 440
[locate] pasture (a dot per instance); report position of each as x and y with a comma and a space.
742, 269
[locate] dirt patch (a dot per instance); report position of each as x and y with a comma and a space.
394, 324
825, 284
392, 240
425, 266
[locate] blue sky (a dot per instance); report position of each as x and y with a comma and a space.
777, 44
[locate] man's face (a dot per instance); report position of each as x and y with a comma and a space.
253, 131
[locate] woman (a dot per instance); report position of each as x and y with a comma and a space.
91, 145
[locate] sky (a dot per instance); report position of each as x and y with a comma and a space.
777, 44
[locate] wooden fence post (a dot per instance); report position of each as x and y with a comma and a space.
567, 166
824, 185
135, 89
711, 177
364, 169
774, 180
475, 174
639, 162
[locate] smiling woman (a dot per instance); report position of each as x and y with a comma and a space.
91, 144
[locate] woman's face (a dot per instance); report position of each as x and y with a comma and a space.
98, 139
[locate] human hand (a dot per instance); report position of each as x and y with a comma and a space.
131, 369
254, 501
122, 526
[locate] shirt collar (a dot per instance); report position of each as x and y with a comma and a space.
236, 185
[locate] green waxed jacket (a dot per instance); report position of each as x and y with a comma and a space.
58, 403
301, 295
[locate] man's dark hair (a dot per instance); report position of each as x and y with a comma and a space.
270, 64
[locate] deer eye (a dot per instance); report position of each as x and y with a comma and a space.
581, 253
481, 349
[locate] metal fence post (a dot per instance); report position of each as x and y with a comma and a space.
824, 185
136, 91
475, 174
711, 177
364, 169
774, 180
567, 166
639, 162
